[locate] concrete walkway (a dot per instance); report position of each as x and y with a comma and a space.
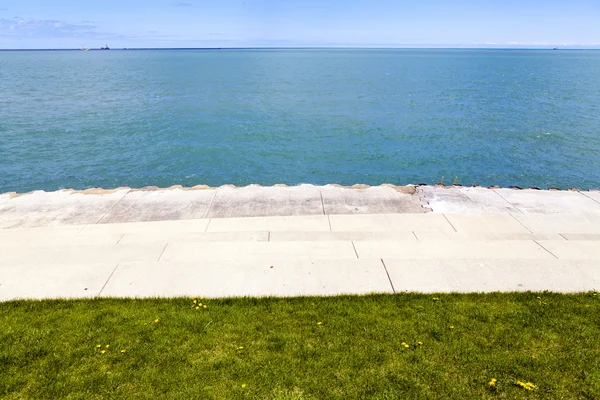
303, 240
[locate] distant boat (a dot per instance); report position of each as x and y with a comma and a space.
85, 48
105, 48
556, 48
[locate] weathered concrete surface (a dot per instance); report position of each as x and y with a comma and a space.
230, 251
432, 251
259, 277
372, 200
150, 227
474, 240
57, 208
560, 223
38, 209
521, 249
39, 281
290, 223
258, 201
18, 257
490, 275
573, 250
494, 223
405, 236
161, 205
531, 201
194, 237
462, 200
593, 194
390, 222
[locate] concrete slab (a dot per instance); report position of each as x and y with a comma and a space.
343, 236
489, 275
484, 236
390, 222
148, 228
490, 223
573, 250
79, 255
48, 237
372, 200
593, 194
450, 249
530, 201
464, 200
185, 237
261, 277
273, 224
254, 201
39, 281
65, 207
201, 251
581, 236
161, 205
561, 223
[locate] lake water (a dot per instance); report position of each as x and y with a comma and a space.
138, 118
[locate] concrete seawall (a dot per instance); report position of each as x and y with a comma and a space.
98, 206
290, 241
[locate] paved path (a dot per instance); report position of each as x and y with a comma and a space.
383, 239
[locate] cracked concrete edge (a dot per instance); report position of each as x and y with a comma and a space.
409, 189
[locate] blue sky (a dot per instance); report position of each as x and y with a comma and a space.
252, 23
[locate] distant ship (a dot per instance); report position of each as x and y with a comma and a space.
85, 48
556, 48
105, 48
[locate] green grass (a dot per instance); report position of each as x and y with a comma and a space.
48, 349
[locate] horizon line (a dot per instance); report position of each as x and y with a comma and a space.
432, 47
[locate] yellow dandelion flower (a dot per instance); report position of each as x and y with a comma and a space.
451, 326
200, 304
195, 301
107, 346
244, 385
528, 385
204, 306
197, 308
436, 298
492, 382
123, 351
156, 321
241, 348
420, 343
98, 346
405, 345
103, 351
319, 323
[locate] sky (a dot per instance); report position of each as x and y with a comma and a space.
28, 24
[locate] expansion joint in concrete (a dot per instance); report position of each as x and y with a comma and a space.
354, 247
552, 254
113, 207
590, 197
508, 202
388, 275
211, 204
106, 283
450, 223
522, 224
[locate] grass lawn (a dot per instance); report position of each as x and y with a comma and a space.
304, 348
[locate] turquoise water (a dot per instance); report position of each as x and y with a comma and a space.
137, 118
